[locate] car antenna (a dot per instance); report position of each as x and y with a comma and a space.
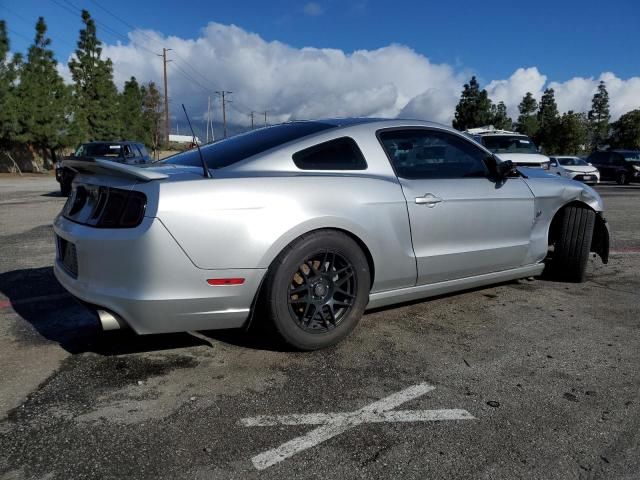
205, 169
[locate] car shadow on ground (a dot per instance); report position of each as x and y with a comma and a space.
37, 297
56, 194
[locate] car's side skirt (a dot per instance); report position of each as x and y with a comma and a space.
389, 297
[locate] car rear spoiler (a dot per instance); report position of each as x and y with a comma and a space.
115, 169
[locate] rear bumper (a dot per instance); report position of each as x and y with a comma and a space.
143, 276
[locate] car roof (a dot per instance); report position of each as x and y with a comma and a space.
116, 142
377, 123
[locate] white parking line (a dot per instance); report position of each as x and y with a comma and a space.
332, 424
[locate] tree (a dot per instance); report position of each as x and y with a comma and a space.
131, 111
501, 119
572, 134
625, 132
9, 69
527, 121
548, 122
43, 98
153, 115
599, 117
96, 97
474, 107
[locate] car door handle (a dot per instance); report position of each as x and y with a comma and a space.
429, 199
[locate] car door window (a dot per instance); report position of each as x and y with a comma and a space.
432, 154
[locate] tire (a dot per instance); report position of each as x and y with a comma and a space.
65, 188
571, 252
622, 178
305, 285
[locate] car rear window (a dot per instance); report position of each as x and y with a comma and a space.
232, 150
99, 150
339, 154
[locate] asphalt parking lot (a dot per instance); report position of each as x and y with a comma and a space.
528, 379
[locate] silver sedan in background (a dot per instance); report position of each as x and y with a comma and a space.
309, 223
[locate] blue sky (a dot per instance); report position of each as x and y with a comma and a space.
492, 38
513, 47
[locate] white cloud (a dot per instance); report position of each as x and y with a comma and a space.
313, 9
312, 82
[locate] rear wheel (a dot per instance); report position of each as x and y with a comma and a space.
571, 249
622, 178
317, 290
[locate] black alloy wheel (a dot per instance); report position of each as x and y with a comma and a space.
322, 291
317, 289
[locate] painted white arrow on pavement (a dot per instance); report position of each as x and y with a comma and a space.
332, 424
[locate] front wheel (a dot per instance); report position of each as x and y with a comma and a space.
571, 250
317, 289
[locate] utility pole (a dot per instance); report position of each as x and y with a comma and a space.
265, 118
222, 94
166, 94
252, 115
208, 116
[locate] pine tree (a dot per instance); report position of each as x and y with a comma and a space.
527, 121
572, 134
474, 107
43, 98
548, 121
153, 114
131, 111
501, 119
96, 97
625, 132
599, 117
9, 69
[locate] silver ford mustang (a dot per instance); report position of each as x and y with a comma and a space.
307, 224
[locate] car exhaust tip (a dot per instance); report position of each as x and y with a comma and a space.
109, 321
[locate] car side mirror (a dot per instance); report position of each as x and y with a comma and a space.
506, 168
501, 169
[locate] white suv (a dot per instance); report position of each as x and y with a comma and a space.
507, 145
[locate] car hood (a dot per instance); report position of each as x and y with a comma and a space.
579, 168
523, 158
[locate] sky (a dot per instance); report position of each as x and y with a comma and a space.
301, 59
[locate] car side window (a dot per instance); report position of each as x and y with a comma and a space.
339, 154
553, 162
433, 154
618, 160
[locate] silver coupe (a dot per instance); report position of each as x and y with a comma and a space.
307, 224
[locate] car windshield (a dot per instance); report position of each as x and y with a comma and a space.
99, 150
227, 152
572, 161
509, 144
633, 157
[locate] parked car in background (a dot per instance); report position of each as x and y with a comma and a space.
309, 223
574, 168
623, 166
513, 146
130, 153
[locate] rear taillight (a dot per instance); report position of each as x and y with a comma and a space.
105, 207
